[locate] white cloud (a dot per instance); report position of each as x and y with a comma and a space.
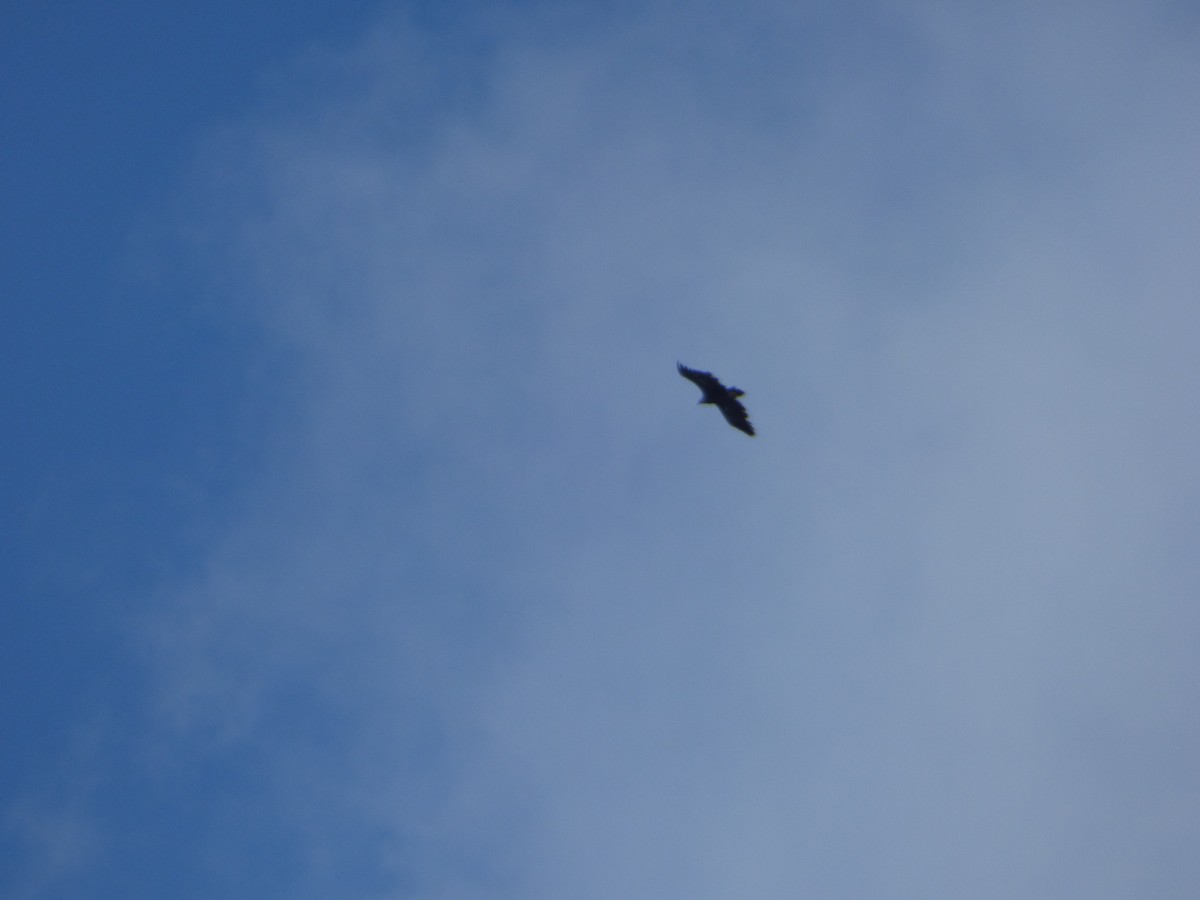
927, 635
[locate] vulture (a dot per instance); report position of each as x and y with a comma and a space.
723, 398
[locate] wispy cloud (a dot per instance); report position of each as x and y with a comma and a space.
508, 615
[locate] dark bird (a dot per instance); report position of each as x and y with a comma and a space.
723, 398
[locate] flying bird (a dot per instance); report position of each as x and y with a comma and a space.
723, 398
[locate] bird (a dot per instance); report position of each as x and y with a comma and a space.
723, 398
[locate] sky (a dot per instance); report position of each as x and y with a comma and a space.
362, 541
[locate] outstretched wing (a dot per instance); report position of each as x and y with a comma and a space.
706, 381
735, 414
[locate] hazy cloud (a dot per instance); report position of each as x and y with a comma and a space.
510, 616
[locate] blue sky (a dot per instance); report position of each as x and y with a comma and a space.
363, 542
